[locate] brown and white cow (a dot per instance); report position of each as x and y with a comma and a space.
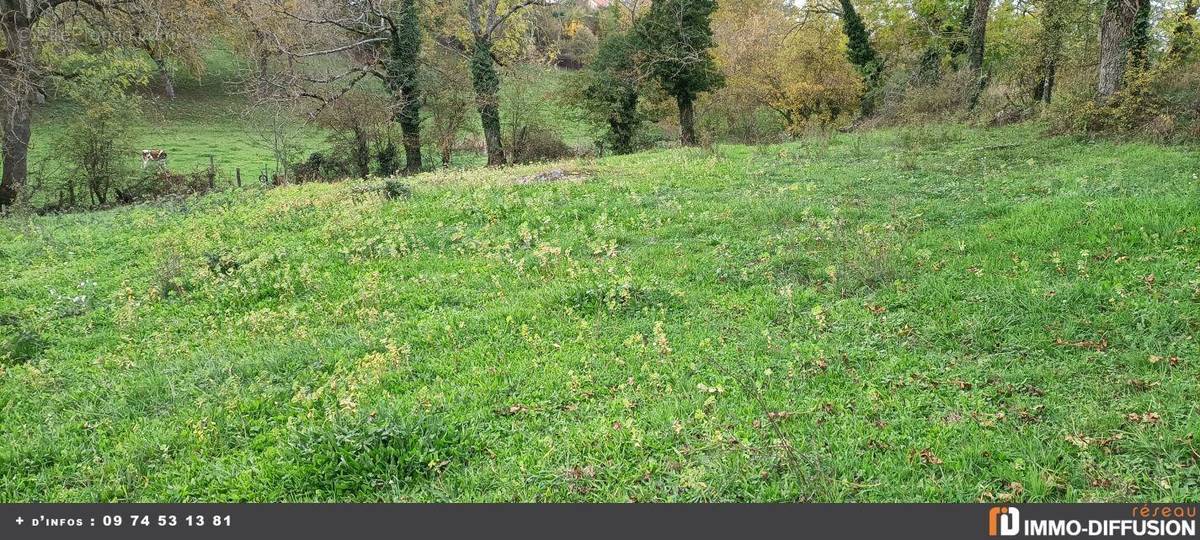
159, 157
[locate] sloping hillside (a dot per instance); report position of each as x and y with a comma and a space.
940, 314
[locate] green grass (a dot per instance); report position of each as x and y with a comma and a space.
933, 315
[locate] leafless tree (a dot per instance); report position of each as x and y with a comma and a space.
326, 49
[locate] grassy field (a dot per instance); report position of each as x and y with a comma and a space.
931, 315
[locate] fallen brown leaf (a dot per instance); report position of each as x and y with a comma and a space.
1099, 346
929, 458
1146, 418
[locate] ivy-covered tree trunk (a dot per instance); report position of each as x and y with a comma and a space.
1116, 28
624, 123
861, 53
1139, 42
404, 72
687, 119
674, 40
1044, 91
16, 97
487, 98
958, 45
977, 35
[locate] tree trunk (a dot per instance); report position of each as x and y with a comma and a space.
1116, 27
1047, 93
16, 93
362, 152
976, 43
406, 53
487, 98
410, 130
164, 72
977, 36
687, 120
1053, 25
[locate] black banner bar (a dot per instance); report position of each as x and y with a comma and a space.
726, 522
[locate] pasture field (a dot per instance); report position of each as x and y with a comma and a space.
942, 314
213, 116
209, 117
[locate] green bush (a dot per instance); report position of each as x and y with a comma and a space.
160, 183
1162, 103
534, 144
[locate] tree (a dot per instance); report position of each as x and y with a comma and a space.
1183, 33
611, 91
780, 60
22, 70
449, 107
860, 53
675, 40
976, 42
485, 19
378, 40
1051, 39
171, 31
356, 121
1117, 26
403, 75
98, 139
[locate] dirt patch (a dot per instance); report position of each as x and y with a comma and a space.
553, 175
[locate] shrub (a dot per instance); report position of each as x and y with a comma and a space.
914, 103
536, 144
321, 167
97, 143
1162, 102
388, 158
395, 189
159, 183
608, 94
390, 189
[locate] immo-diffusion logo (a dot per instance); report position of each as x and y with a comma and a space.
1004, 521
1165, 521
